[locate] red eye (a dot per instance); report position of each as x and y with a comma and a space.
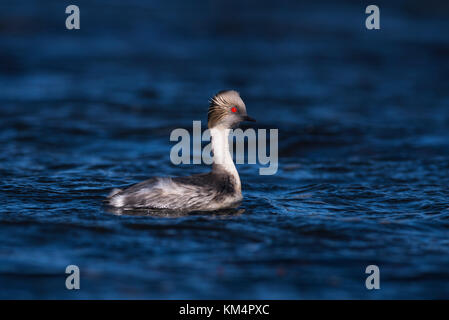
234, 109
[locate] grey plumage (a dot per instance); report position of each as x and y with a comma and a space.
207, 191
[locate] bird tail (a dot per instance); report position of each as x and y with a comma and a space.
114, 192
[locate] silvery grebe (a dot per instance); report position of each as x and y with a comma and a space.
217, 189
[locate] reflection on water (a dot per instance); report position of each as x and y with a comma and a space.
363, 121
172, 213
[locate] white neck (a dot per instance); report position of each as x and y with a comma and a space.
222, 156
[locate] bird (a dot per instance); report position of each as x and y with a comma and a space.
220, 188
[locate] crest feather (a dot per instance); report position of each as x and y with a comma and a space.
219, 104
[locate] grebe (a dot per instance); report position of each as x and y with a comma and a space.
218, 189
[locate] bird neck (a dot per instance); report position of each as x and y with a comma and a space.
222, 159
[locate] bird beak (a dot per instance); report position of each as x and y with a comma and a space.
248, 118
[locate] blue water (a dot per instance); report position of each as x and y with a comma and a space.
363, 119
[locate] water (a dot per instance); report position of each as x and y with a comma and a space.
363, 123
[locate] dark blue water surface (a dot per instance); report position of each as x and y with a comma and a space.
363, 119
